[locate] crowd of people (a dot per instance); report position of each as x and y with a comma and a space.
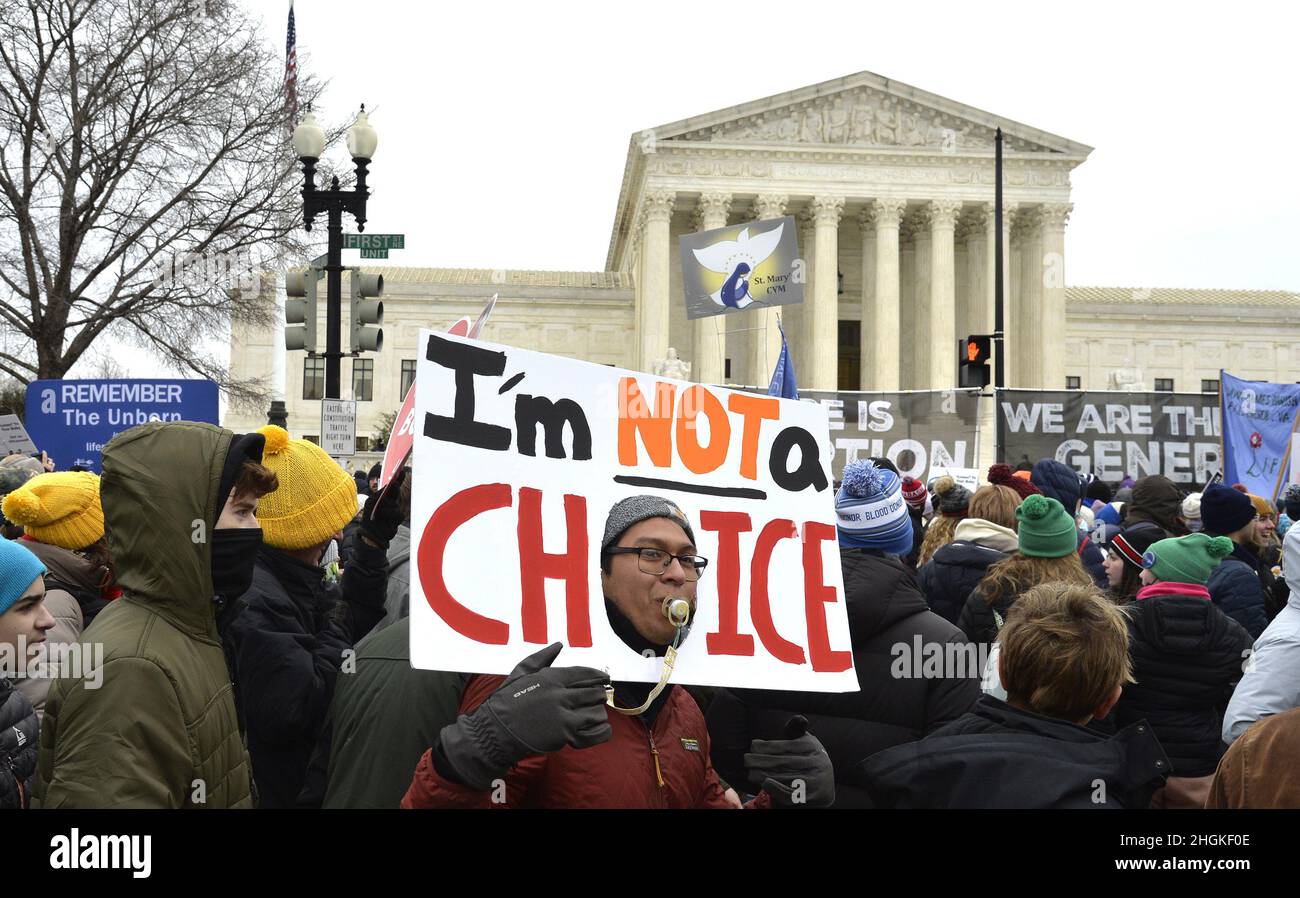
221, 620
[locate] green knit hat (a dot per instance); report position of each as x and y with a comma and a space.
1046, 529
1187, 559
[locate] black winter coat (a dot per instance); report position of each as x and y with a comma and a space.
1236, 589
1093, 560
978, 620
18, 747
998, 756
1187, 659
284, 642
887, 615
948, 578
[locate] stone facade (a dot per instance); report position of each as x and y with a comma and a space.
892, 188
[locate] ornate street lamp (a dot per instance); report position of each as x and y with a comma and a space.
309, 144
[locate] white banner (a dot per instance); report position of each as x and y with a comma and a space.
519, 457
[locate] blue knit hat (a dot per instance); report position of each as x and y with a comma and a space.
870, 510
19, 569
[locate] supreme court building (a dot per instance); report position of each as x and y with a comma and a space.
893, 191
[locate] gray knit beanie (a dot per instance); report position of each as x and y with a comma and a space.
634, 510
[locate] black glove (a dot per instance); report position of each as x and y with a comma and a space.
776, 764
537, 709
380, 522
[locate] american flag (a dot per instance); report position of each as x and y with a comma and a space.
291, 71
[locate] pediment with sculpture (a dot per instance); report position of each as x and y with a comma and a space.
862, 117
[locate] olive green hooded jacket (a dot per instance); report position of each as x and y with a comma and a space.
157, 726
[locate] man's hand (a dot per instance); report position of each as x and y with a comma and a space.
537, 709
794, 772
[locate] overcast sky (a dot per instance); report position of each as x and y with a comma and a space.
503, 128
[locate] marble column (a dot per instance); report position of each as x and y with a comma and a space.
766, 336
797, 320
1051, 231
708, 360
1029, 320
824, 340
919, 320
1010, 289
906, 301
880, 328
656, 212
978, 233
943, 295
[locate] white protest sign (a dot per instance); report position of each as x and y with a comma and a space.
520, 455
338, 427
967, 477
1295, 458
14, 437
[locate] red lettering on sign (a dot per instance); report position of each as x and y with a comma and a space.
536, 566
760, 610
457, 510
816, 596
728, 525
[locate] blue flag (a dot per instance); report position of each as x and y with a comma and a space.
783, 377
1258, 421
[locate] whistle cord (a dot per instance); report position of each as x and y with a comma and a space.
670, 658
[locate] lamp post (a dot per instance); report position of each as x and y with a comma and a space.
309, 144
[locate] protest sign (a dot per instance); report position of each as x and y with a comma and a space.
731, 269
916, 430
966, 477
519, 457
1259, 419
72, 420
1112, 434
14, 437
400, 438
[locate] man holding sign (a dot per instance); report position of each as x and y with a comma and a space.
557, 737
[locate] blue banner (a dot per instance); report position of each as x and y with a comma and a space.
1258, 420
72, 420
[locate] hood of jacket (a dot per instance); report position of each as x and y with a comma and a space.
1291, 562
71, 568
159, 491
879, 591
1156, 499
987, 534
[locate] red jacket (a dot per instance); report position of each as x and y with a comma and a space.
620, 773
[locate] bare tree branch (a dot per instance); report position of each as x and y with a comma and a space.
146, 180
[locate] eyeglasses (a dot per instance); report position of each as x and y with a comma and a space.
656, 561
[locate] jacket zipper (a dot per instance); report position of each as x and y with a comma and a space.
654, 751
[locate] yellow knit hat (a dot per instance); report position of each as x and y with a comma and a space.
316, 498
59, 509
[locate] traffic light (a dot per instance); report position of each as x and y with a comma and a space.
300, 314
366, 311
974, 361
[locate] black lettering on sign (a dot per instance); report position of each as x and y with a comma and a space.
532, 410
809, 472
467, 361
